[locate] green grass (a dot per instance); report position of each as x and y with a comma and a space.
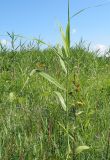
33, 123
54, 103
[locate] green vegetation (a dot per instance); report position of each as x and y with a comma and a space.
54, 103
33, 122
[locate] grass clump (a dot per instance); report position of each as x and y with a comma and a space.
38, 122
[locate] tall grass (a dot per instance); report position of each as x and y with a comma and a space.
38, 121
54, 103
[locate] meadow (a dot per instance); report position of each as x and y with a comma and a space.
54, 102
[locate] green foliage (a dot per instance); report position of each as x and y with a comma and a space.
61, 118
35, 122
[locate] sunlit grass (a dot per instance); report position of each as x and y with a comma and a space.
54, 103
33, 123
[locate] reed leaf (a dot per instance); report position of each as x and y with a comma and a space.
81, 149
51, 80
62, 101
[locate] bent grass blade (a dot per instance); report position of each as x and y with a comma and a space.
52, 80
62, 101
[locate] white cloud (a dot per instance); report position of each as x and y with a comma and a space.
102, 49
5, 42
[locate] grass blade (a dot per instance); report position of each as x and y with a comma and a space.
52, 80
63, 65
81, 149
60, 55
61, 100
82, 10
64, 40
68, 27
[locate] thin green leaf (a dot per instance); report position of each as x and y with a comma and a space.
61, 100
52, 80
68, 28
82, 10
81, 149
57, 52
59, 49
61, 60
27, 80
66, 131
68, 36
41, 42
63, 65
68, 10
64, 40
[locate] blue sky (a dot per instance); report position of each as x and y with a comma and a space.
40, 17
